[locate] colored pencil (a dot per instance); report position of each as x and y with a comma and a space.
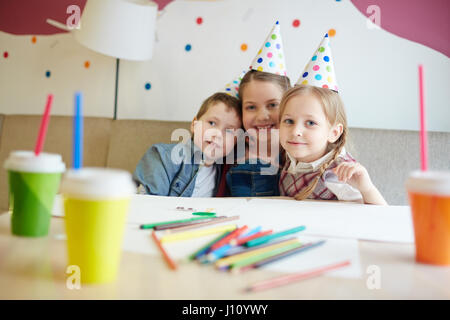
291, 278
423, 130
239, 242
195, 234
240, 249
228, 238
183, 224
251, 232
263, 255
269, 237
44, 125
281, 256
152, 225
78, 132
202, 224
229, 260
169, 261
203, 250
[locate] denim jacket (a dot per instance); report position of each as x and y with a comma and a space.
171, 169
247, 180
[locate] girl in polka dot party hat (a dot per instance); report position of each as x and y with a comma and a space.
313, 132
260, 90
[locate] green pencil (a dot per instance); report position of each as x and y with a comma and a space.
252, 259
151, 225
269, 237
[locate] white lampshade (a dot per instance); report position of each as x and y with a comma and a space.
122, 29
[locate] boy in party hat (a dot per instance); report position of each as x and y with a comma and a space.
313, 132
260, 91
193, 169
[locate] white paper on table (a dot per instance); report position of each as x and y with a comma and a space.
331, 219
333, 251
145, 209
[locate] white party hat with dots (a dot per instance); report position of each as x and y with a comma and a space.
319, 71
270, 57
232, 88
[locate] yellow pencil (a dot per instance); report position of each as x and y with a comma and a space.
226, 261
195, 234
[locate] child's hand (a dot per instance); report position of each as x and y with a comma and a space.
355, 175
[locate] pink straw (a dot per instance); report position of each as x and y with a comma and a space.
44, 125
423, 131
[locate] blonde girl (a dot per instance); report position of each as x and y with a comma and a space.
313, 132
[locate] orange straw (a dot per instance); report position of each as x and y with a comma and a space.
423, 131
44, 124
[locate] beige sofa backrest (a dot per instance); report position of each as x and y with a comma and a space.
19, 132
388, 155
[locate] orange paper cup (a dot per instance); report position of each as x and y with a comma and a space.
429, 198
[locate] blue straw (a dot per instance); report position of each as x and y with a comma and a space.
78, 132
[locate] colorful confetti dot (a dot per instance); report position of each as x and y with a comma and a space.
326, 58
244, 47
267, 44
260, 69
305, 75
188, 47
314, 58
199, 20
318, 77
148, 86
325, 86
33, 39
321, 49
328, 68
269, 54
48, 74
5, 54
296, 23
274, 36
331, 32
87, 64
271, 64
305, 82
260, 60
316, 67
330, 79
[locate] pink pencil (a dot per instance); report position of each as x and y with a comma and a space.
423, 131
291, 278
44, 124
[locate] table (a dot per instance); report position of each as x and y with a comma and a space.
34, 268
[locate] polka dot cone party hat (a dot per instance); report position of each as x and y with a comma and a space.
319, 71
270, 57
232, 88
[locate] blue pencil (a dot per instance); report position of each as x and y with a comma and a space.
78, 132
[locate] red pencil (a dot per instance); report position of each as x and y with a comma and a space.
238, 242
236, 233
291, 278
169, 261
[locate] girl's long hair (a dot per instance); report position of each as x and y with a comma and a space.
334, 110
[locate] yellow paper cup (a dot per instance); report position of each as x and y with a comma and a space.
429, 197
96, 203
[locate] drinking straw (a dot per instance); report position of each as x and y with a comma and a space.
202, 224
229, 260
44, 124
152, 225
273, 236
185, 223
263, 255
169, 261
205, 249
282, 255
197, 233
291, 278
423, 131
78, 132
228, 238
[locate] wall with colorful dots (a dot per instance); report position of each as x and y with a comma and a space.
202, 45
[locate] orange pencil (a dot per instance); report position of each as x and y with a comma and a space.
169, 261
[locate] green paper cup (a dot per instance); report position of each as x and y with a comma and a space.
96, 203
33, 184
